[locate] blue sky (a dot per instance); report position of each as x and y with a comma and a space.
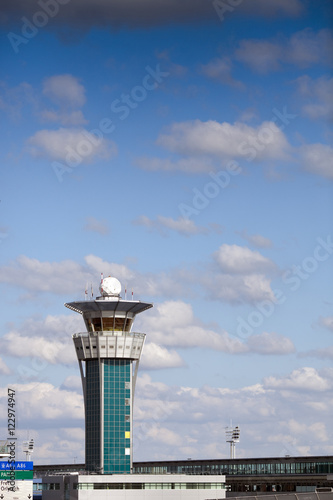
185, 150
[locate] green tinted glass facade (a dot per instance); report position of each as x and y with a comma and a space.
93, 412
117, 416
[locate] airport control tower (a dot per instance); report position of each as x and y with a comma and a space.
111, 352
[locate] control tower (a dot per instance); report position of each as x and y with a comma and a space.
111, 353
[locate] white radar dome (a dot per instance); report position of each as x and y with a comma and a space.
110, 286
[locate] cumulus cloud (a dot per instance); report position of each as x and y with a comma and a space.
257, 240
186, 418
303, 49
327, 322
172, 323
220, 69
317, 159
234, 259
68, 94
158, 357
85, 14
69, 277
318, 96
200, 147
185, 227
220, 278
261, 55
40, 400
4, 368
70, 145
238, 289
187, 165
259, 410
226, 141
13, 100
49, 340
326, 353
65, 90
52, 351
270, 343
303, 379
68, 119
57, 277
72, 383
96, 225
239, 275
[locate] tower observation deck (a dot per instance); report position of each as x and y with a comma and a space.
108, 354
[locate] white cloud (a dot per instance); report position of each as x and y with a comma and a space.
42, 400
226, 141
173, 323
185, 227
189, 419
158, 357
307, 47
257, 240
317, 159
303, 49
52, 351
318, 95
239, 276
327, 322
68, 119
98, 265
73, 146
326, 353
64, 90
233, 259
49, 340
4, 368
96, 225
58, 277
72, 383
259, 410
14, 100
270, 343
303, 379
220, 69
187, 165
164, 435
261, 55
70, 278
238, 289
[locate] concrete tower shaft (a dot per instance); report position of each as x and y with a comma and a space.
108, 354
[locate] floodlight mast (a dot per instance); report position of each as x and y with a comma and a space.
232, 438
28, 448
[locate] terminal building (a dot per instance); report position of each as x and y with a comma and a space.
244, 477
